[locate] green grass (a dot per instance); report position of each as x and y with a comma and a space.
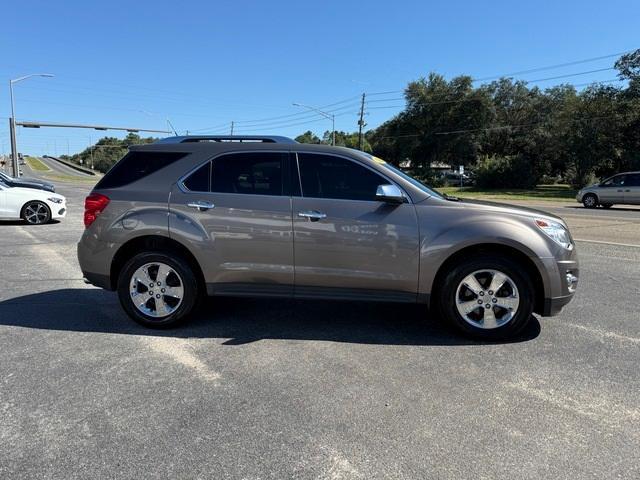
36, 164
73, 178
557, 193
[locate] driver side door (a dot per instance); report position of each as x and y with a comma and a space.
612, 190
346, 242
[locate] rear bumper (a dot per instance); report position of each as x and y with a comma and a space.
95, 260
98, 280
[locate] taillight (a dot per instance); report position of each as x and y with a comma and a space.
94, 204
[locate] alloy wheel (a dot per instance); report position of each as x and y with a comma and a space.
487, 299
156, 290
36, 213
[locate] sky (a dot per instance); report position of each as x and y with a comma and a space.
205, 64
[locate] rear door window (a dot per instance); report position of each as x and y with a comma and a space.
328, 176
199, 180
252, 173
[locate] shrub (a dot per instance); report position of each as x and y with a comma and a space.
505, 172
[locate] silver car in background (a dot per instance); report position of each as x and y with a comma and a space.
265, 216
623, 188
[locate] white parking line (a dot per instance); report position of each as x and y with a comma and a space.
603, 333
607, 243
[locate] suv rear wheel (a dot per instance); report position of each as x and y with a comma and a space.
487, 297
157, 290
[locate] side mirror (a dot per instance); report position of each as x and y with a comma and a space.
390, 194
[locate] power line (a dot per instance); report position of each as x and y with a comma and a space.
292, 116
502, 127
306, 116
553, 67
530, 70
305, 112
476, 99
569, 75
293, 124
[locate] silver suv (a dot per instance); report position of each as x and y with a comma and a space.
266, 216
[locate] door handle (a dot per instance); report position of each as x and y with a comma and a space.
312, 215
201, 205
619, 190
627, 190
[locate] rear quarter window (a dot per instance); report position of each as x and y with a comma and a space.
137, 165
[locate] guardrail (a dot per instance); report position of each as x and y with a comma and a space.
71, 165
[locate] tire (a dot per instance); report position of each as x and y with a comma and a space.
176, 295
606, 205
496, 322
36, 213
590, 200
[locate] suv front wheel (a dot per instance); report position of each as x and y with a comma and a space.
590, 200
487, 297
157, 290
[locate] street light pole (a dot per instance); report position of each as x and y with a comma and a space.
12, 120
329, 116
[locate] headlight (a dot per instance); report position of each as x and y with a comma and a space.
556, 231
55, 200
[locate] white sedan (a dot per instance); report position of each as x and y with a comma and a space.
33, 205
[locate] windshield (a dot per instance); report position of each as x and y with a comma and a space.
408, 178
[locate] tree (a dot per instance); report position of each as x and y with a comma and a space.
628, 66
108, 150
509, 129
308, 137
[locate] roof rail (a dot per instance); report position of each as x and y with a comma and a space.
227, 138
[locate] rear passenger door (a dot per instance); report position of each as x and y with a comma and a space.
347, 243
632, 189
235, 211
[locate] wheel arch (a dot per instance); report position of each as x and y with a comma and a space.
511, 252
152, 243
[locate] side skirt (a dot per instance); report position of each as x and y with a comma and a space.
322, 293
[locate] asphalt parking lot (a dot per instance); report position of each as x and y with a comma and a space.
260, 389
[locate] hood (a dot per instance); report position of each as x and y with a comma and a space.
33, 183
508, 209
37, 193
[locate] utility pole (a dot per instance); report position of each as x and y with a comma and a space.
91, 150
14, 149
232, 125
361, 123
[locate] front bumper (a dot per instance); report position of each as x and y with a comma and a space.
562, 284
58, 210
553, 306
